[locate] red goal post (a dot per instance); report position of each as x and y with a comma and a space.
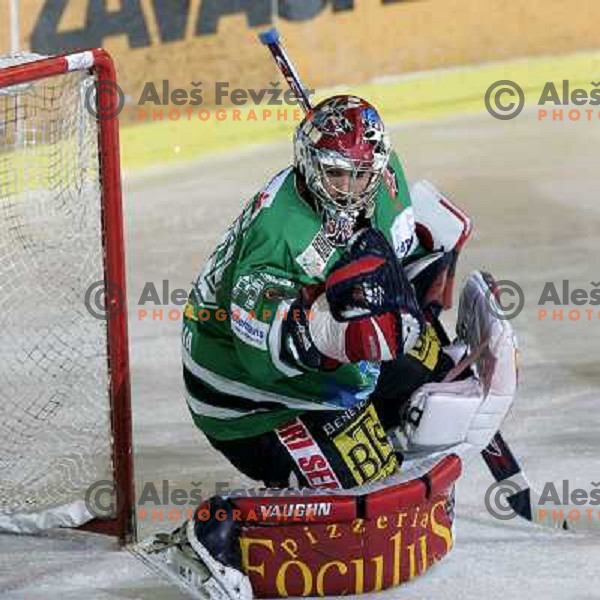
39, 138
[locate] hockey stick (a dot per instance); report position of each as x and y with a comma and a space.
521, 497
525, 501
272, 40
510, 479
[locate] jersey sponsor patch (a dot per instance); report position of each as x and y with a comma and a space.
247, 291
332, 427
427, 348
365, 448
248, 328
316, 256
250, 290
403, 232
305, 452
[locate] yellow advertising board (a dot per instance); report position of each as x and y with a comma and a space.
205, 43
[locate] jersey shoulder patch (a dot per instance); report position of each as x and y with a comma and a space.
390, 181
265, 198
395, 183
403, 232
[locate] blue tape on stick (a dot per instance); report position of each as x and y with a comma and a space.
271, 36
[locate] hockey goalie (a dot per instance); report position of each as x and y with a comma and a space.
329, 373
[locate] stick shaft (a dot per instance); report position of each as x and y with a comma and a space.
272, 40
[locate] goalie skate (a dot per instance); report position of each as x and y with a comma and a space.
191, 568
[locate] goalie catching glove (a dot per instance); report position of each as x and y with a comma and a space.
365, 310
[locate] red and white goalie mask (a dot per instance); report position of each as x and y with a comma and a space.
342, 149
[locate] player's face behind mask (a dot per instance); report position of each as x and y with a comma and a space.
344, 190
345, 187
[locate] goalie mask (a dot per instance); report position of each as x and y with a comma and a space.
342, 149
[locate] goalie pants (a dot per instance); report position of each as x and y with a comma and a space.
328, 450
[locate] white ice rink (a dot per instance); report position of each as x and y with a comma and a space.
533, 191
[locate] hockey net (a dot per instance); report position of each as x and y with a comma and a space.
65, 431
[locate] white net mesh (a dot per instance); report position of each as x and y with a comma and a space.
55, 436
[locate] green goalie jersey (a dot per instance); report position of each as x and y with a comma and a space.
236, 384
